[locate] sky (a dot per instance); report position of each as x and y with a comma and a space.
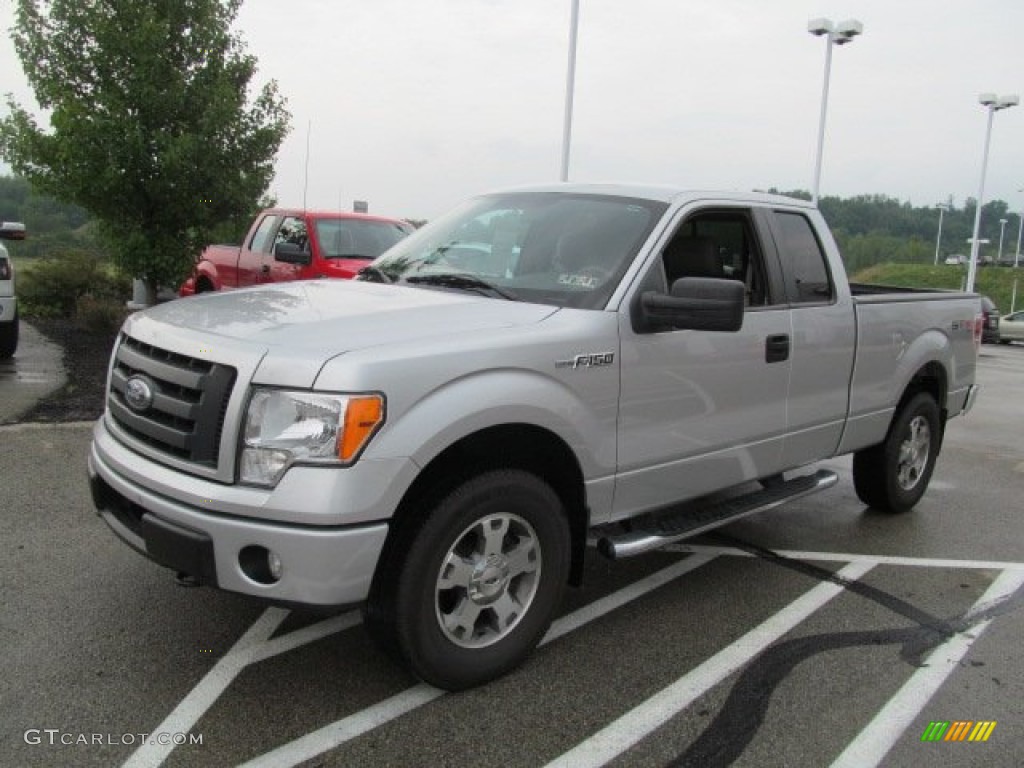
415, 105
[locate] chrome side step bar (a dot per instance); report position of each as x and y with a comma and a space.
661, 528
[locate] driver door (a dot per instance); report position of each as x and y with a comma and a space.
700, 410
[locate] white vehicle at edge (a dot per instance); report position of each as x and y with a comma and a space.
1011, 327
8, 302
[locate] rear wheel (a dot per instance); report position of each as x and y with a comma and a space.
9, 338
893, 475
476, 584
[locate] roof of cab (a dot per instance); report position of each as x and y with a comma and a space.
661, 193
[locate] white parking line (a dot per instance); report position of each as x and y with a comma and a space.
255, 645
213, 684
628, 730
340, 731
304, 636
873, 743
849, 557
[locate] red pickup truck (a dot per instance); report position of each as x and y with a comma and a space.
291, 244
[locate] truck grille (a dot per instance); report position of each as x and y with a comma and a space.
179, 404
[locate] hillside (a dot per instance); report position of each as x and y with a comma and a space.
994, 282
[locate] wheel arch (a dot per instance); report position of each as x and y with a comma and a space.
206, 275
521, 446
932, 379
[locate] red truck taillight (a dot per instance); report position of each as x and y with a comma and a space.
979, 326
5, 269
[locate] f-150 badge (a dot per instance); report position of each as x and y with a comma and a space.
592, 360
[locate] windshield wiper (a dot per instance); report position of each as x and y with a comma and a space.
463, 282
372, 274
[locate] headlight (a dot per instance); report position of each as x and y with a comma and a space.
284, 428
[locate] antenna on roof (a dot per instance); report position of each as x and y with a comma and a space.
305, 179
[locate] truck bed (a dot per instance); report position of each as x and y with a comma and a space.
870, 292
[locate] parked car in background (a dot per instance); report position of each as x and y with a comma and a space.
9, 230
1011, 327
285, 244
990, 329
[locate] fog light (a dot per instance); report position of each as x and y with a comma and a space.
260, 564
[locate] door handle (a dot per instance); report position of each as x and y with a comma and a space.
265, 269
776, 348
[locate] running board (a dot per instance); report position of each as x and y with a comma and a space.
661, 528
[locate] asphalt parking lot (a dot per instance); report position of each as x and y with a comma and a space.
819, 634
33, 372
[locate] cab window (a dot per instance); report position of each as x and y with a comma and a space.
719, 244
803, 260
261, 237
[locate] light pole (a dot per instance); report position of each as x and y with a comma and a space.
570, 85
838, 34
938, 238
993, 104
1020, 229
1002, 231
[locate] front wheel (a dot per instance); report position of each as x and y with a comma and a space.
479, 582
893, 475
9, 338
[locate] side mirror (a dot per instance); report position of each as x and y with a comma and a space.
290, 253
696, 304
12, 230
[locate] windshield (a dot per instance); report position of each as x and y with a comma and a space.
545, 247
356, 238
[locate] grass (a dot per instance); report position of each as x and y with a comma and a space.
995, 282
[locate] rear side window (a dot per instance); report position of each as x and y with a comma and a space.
803, 260
261, 238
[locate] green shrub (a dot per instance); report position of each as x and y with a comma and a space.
100, 315
52, 287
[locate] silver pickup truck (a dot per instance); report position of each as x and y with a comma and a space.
439, 439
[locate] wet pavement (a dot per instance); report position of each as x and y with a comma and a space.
35, 371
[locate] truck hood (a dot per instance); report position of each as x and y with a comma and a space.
298, 326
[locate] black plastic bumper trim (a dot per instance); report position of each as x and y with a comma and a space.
183, 549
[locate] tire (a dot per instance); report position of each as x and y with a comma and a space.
9, 338
893, 475
474, 586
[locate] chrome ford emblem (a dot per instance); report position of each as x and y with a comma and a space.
139, 392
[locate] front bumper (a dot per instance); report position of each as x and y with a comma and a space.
972, 396
8, 309
322, 565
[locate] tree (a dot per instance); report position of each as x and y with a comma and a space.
151, 127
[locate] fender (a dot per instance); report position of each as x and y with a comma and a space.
481, 400
872, 409
930, 347
208, 270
